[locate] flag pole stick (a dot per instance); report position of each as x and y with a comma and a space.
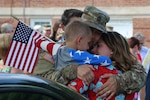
15, 17
38, 32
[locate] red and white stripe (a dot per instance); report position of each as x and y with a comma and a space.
23, 56
51, 47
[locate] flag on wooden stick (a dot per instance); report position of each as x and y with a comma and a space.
23, 53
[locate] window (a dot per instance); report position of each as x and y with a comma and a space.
34, 22
124, 27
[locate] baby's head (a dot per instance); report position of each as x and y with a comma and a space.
78, 35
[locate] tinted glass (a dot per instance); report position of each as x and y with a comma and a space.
24, 96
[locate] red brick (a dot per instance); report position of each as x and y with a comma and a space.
139, 24
142, 25
73, 3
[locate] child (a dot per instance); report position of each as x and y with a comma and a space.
78, 35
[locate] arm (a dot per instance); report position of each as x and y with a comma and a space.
129, 82
48, 46
63, 76
83, 72
68, 73
84, 57
132, 80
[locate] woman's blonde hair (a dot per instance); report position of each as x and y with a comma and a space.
5, 40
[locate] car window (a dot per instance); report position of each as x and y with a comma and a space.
24, 96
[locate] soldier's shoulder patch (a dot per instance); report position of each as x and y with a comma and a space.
48, 57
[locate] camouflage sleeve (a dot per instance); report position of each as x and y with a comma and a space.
51, 74
68, 73
64, 76
132, 80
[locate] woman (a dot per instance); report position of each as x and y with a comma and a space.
120, 55
134, 45
116, 47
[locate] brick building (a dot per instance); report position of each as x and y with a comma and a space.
127, 16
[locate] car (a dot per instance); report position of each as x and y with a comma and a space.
30, 87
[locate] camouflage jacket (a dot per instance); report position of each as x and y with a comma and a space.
128, 82
132, 80
44, 63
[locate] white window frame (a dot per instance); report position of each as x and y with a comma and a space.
33, 21
124, 27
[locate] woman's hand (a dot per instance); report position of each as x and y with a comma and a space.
85, 73
108, 88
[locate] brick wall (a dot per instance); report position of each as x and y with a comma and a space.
142, 25
13, 21
139, 24
73, 3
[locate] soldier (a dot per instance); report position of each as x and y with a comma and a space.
115, 84
47, 30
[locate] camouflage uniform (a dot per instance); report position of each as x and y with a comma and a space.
44, 63
132, 80
129, 82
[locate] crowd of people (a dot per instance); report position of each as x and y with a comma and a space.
82, 54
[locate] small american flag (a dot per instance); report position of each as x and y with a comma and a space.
23, 53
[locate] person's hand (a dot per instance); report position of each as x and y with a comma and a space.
85, 73
108, 88
16, 71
